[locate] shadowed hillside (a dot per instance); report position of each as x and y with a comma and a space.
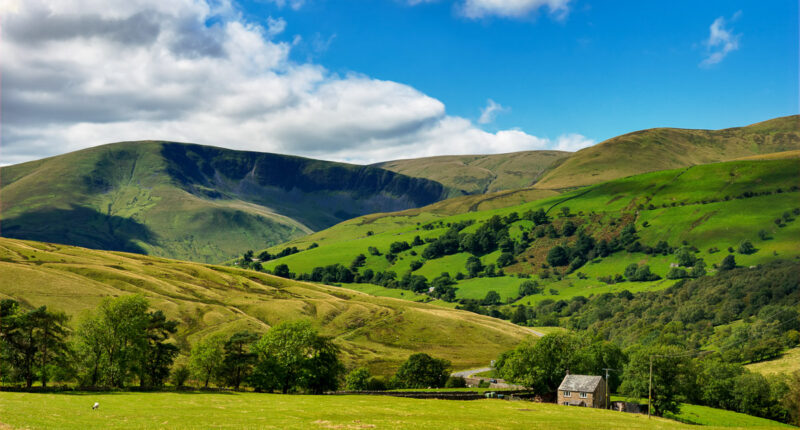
193, 202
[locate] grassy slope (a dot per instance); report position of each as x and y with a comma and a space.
670, 148
711, 224
373, 331
787, 363
192, 202
249, 410
480, 173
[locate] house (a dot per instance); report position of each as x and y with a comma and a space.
582, 390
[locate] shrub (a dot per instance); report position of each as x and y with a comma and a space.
422, 371
455, 382
746, 247
179, 376
728, 263
358, 380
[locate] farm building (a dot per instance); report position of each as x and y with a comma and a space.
582, 390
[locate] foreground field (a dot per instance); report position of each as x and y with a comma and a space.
248, 410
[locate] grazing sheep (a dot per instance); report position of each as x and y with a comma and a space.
95, 406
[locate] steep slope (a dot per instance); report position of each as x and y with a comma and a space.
710, 207
480, 173
192, 202
671, 148
373, 331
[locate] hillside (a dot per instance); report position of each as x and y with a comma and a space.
476, 174
709, 208
192, 202
671, 148
372, 331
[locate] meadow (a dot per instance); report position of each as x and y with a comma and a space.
194, 410
711, 207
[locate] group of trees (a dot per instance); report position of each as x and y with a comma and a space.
120, 341
124, 342
677, 376
290, 357
420, 370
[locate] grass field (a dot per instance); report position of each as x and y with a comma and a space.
786, 363
695, 205
273, 411
377, 332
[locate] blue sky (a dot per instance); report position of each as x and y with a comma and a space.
605, 69
373, 80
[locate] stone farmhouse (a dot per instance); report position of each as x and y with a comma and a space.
582, 390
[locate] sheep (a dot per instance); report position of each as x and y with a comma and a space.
95, 406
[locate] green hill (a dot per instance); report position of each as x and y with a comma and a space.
710, 207
373, 331
192, 202
671, 148
476, 174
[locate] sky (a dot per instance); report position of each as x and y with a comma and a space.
364, 81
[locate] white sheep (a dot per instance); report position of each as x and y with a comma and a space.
95, 406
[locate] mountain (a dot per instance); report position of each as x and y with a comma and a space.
712, 208
372, 331
193, 202
670, 148
476, 174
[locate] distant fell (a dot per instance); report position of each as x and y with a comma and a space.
193, 202
478, 174
671, 148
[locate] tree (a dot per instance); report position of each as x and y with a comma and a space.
728, 263
540, 365
672, 373
685, 257
179, 376
528, 288
699, 268
474, 266
157, 355
358, 380
422, 371
113, 338
558, 256
238, 360
206, 357
281, 270
492, 298
293, 356
505, 259
568, 229
746, 247
52, 341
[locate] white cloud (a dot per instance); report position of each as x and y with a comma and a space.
490, 111
572, 142
721, 41
294, 4
513, 8
156, 70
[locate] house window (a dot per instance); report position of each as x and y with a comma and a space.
567, 394
583, 395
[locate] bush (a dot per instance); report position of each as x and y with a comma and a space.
179, 376
728, 263
358, 380
676, 273
415, 265
558, 256
455, 382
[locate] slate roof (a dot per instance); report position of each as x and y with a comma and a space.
585, 383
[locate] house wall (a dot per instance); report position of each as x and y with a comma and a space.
592, 400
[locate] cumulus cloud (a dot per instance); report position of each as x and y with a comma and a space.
721, 41
513, 8
195, 71
572, 142
490, 111
294, 4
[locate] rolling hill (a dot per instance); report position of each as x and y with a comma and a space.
192, 202
477, 174
670, 148
373, 331
709, 207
